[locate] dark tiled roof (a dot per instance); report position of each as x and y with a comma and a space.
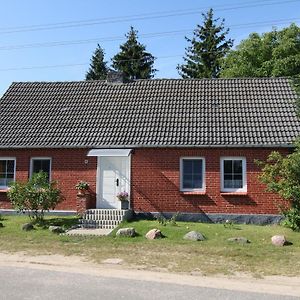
162, 112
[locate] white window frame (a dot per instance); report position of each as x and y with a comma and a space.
244, 166
2, 187
41, 158
203, 174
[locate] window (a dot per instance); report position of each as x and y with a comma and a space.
192, 170
233, 174
41, 164
7, 171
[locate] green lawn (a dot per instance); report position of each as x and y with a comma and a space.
215, 255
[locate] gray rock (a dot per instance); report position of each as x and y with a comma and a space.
279, 240
129, 232
56, 229
194, 236
154, 234
27, 227
75, 226
239, 240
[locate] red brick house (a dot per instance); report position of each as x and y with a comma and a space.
172, 144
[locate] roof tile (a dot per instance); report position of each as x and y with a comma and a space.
160, 112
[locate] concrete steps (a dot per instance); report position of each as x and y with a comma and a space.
104, 218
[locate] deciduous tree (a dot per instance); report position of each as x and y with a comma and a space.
272, 54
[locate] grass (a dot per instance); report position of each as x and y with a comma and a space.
213, 256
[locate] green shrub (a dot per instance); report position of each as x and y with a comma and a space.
292, 218
174, 218
281, 174
35, 196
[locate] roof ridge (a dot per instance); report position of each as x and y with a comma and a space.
158, 79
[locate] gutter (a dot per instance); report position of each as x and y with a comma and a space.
149, 146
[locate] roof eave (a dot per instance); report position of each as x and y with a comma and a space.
284, 145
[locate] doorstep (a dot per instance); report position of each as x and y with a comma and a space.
93, 232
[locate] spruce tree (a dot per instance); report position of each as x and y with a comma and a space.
133, 59
208, 46
98, 67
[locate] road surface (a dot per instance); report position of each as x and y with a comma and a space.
33, 283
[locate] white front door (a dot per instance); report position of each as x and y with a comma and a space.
113, 178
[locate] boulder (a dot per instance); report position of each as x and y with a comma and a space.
279, 240
154, 234
129, 232
239, 240
75, 226
56, 229
194, 236
27, 227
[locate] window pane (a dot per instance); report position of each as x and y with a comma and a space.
192, 174
228, 177
197, 181
237, 184
45, 166
238, 177
227, 166
37, 166
41, 165
197, 176
197, 184
2, 166
233, 174
7, 169
197, 166
9, 180
188, 182
10, 166
187, 166
228, 184
238, 166
10, 175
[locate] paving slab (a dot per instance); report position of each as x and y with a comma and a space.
84, 231
112, 261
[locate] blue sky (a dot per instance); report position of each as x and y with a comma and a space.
110, 20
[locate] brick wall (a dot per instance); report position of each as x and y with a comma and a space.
156, 183
68, 166
155, 179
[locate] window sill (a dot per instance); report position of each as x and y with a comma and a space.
192, 193
234, 194
3, 190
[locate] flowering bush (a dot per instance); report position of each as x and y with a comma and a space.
35, 196
82, 185
122, 196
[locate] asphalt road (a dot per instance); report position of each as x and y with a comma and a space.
26, 283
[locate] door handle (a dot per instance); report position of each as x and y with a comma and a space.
117, 182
